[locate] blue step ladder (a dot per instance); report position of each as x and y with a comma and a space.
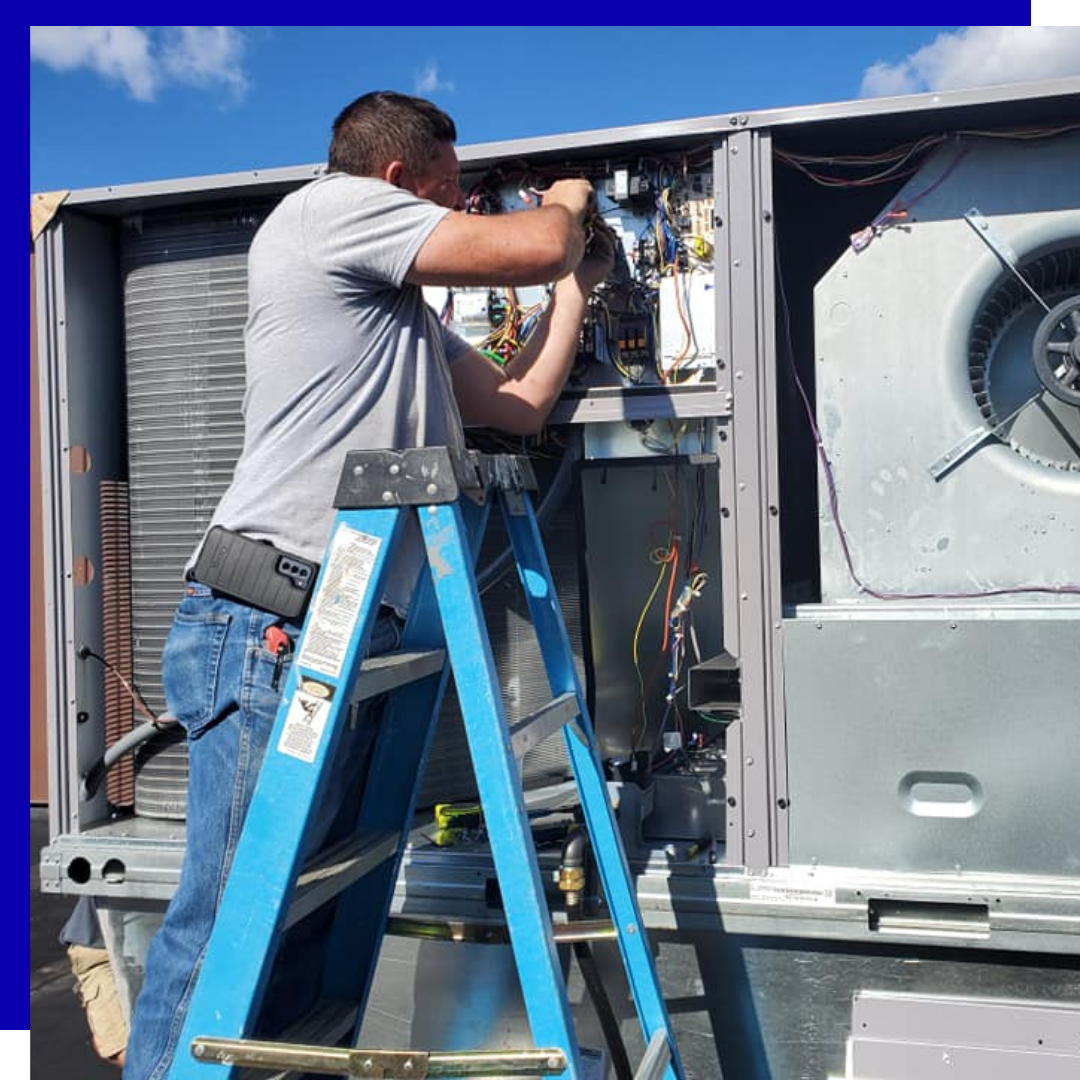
270, 888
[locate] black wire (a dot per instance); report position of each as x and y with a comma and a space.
85, 651
609, 1024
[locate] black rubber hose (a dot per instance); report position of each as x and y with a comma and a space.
604, 1013
132, 740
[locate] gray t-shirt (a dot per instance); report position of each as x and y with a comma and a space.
341, 355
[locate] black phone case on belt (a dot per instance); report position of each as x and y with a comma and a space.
256, 573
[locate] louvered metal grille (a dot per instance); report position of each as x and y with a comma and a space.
185, 305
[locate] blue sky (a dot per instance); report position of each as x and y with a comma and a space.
115, 105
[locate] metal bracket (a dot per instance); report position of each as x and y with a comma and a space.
972, 441
377, 1064
1001, 248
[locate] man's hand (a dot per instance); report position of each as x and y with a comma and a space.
599, 259
577, 196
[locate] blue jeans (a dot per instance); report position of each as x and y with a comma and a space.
219, 684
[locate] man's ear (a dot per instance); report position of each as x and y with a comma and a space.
395, 173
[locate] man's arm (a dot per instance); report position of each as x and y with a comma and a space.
518, 398
526, 248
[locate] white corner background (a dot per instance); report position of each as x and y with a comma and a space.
1055, 13
15, 1054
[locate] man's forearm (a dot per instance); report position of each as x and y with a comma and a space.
548, 355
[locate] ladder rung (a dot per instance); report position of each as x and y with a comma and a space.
378, 674
336, 869
537, 726
657, 1057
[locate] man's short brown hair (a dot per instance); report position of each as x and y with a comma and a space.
384, 126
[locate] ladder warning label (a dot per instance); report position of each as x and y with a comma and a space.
336, 606
305, 720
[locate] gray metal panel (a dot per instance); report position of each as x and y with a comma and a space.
59, 682
1047, 1026
883, 1060
121, 199
82, 403
135, 859
754, 476
682, 402
1020, 914
769, 509
743, 1009
735, 848
940, 741
893, 326
621, 503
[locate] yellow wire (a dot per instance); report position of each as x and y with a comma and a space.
661, 556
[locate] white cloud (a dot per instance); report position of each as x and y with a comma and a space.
146, 58
114, 52
205, 56
979, 56
428, 81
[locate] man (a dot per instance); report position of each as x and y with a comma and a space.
343, 353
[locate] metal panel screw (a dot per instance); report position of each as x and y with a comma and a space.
358, 470
387, 496
432, 489
395, 469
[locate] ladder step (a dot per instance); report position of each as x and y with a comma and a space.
379, 674
337, 868
537, 726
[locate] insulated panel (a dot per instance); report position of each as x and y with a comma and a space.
939, 744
